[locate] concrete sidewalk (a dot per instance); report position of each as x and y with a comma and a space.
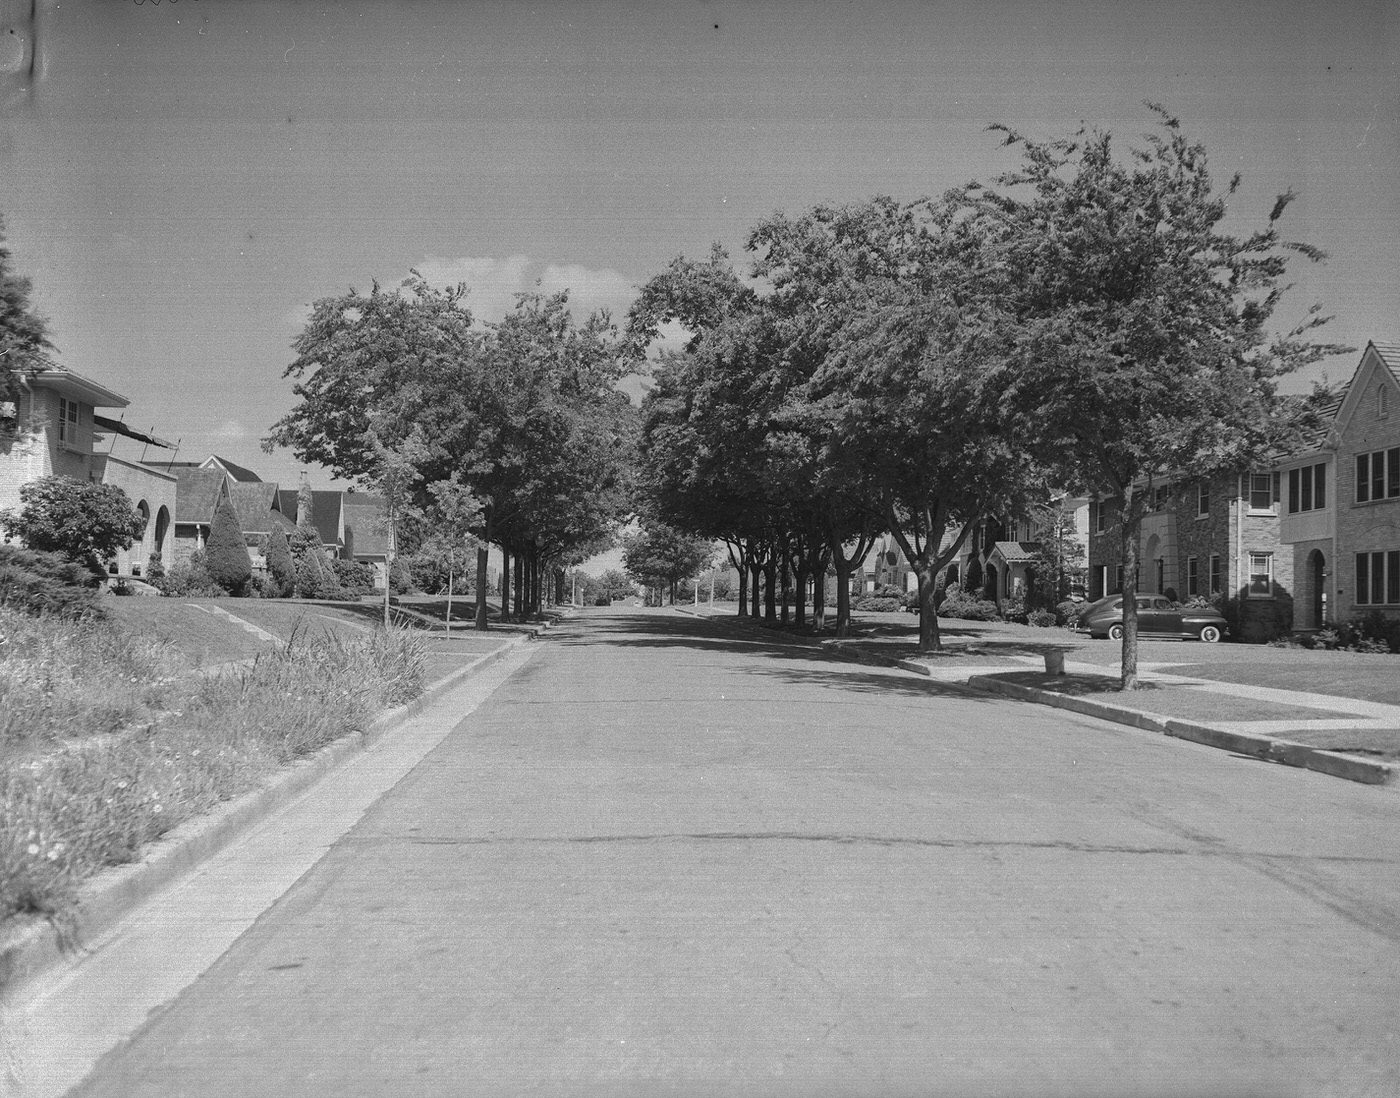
1263, 722
33, 948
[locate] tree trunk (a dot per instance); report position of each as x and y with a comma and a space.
770, 594
739, 560
447, 623
1132, 528
505, 582
755, 574
482, 560
930, 639
800, 596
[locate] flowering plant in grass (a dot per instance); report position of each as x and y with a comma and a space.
71, 805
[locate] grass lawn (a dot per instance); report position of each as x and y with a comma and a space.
107, 740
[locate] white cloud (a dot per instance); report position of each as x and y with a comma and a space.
493, 283
229, 428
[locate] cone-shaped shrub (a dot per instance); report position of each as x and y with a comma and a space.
279, 565
226, 554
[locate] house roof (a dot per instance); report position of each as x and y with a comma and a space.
363, 524
254, 504
1014, 552
325, 511
73, 384
245, 476
1389, 354
197, 492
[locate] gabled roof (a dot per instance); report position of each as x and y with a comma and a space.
364, 517
1015, 552
1389, 353
1386, 358
197, 492
325, 512
245, 476
253, 502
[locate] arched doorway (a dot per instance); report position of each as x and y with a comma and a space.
1317, 590
990, 588
162, 528
139, 547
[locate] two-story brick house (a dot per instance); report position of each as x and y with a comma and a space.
1217, 538
1342, 500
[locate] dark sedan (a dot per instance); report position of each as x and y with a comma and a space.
1157, 617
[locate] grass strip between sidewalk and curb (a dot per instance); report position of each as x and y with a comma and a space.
32, 945
1268, 748
1338, 765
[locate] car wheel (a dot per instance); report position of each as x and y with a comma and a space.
1210, 633
1115, 632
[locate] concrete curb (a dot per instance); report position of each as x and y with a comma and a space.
1335, 763
33, 947
1338, 765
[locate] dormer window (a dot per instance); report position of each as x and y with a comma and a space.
67, 421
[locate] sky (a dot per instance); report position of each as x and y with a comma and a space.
182, 179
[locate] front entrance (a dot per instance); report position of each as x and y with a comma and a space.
1317, 590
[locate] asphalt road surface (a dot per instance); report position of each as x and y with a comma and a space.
665, 857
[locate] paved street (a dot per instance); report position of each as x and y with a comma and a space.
666, 857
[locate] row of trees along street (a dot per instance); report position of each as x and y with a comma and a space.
1084, 322
509, 434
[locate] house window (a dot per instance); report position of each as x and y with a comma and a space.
67, 421
1192, 577
1307, 488
1378, 475
1382, 401
1118, 582
1261, 573
1378, 578
1263, 491
1100, 518
1214, 573
1202, 499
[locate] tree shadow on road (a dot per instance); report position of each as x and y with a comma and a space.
763, 655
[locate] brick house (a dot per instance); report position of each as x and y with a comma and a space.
55, 429
1211, 539
1341, 524
998, 557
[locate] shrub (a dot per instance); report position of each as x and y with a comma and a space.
354, 577
189, 579
226, 553
280, 571
1069, 612
966, 606
1373, 632
155, 569
1014, 609
1042, 619
315, 580
877, 604
400, 577
83, 520
34, 582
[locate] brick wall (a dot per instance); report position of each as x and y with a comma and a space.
1371, 526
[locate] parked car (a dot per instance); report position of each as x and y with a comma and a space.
1157, 617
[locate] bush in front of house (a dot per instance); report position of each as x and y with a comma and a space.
189, 579
34, 582
966, 605
281, 572
1069, 612
1371, 632
1042, 618
82, 520
400, 577
226, 553
355, 577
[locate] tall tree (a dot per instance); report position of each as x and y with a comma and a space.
662, 556
226, 553
1141, 322
24, 340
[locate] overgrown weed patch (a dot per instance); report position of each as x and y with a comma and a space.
136, 749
